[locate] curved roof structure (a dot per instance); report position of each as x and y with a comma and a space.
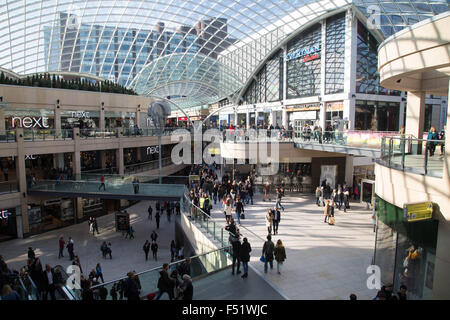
181, 49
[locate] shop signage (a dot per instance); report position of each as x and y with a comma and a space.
304, 107
30, 157
152, 150
80, 114
335, 106
31, 122
4, 214
308, 53
182, 119
418, 211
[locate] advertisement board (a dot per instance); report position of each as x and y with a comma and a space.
417, 211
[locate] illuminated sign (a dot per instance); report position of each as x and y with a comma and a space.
30, 122
308, 53
182, 119
418, 211
304, 107
80, 114
152, 150
4, 214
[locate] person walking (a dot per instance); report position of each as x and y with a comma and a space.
186, 290
326, 211
94, 226
150, 212
267, 252
131, 288
244, 255
228, 209
346, 192
280, 255
102, 183
269, 221
154, 236
146, 249
154, 248
62, 244
165, 283
130, 233
431, 140
276, 219
173, 250
136, 185
266, 191
157, 218
48, 283
236, 256
331, 212
239, 209
278, 201
70, 248
98, 272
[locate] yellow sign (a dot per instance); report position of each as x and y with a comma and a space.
214, 150
418, 211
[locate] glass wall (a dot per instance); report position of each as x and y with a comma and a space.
303, 64
267, 85
8, 224
119, 119
405, 251
377, 115
335, 54
367, 76
45, 215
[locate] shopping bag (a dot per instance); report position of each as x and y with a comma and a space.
262, 259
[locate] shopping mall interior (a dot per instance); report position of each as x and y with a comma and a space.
175, 116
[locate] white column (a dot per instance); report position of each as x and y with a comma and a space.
401, 111
284, 118
349, 170
350, 67
284, 74
349, 112
322, 113
247, 119
19, 227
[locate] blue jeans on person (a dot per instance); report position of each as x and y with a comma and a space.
238, 217
251, 199
245, 267
268, 262
278, 205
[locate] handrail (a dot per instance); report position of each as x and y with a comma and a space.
158, 268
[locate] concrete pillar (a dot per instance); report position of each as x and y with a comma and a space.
19, 221
284, 75
138, 154
119, 154
79, 207
247, 120
351, 33
284, 118
415, 114
102, 118
349, 169
103, 159
273, 118
58, 160
349, 112
323, 58
21, 178
401, 119
2, 120
138, 116
323, 115
76, 155
57, 118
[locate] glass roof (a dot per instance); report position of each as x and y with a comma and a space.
194, 51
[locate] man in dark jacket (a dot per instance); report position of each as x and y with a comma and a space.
165, 283
236, 256
276, 219
267, 252
185, 267
186, 289
244, 255
131, 289
48, 283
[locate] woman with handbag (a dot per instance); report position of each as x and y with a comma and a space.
269, 221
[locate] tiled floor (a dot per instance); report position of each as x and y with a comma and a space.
323, 261
127, 254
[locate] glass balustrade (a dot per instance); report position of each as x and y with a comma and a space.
414, 155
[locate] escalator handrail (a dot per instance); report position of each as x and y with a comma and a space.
67, 292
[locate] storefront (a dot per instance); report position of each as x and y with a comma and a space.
334, 115
120, 119
90, 160
377, 115
405, 250
45, 215
8, 224
29, 118
80, 119
301, 115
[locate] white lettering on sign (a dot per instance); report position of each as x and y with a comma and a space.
30, 156
4, 214
30, 122
80, 114
152, 150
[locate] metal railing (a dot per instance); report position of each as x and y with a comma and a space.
200, 265
8, 136
99, 133
47, 134
9, 187
414, 155
146, 166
